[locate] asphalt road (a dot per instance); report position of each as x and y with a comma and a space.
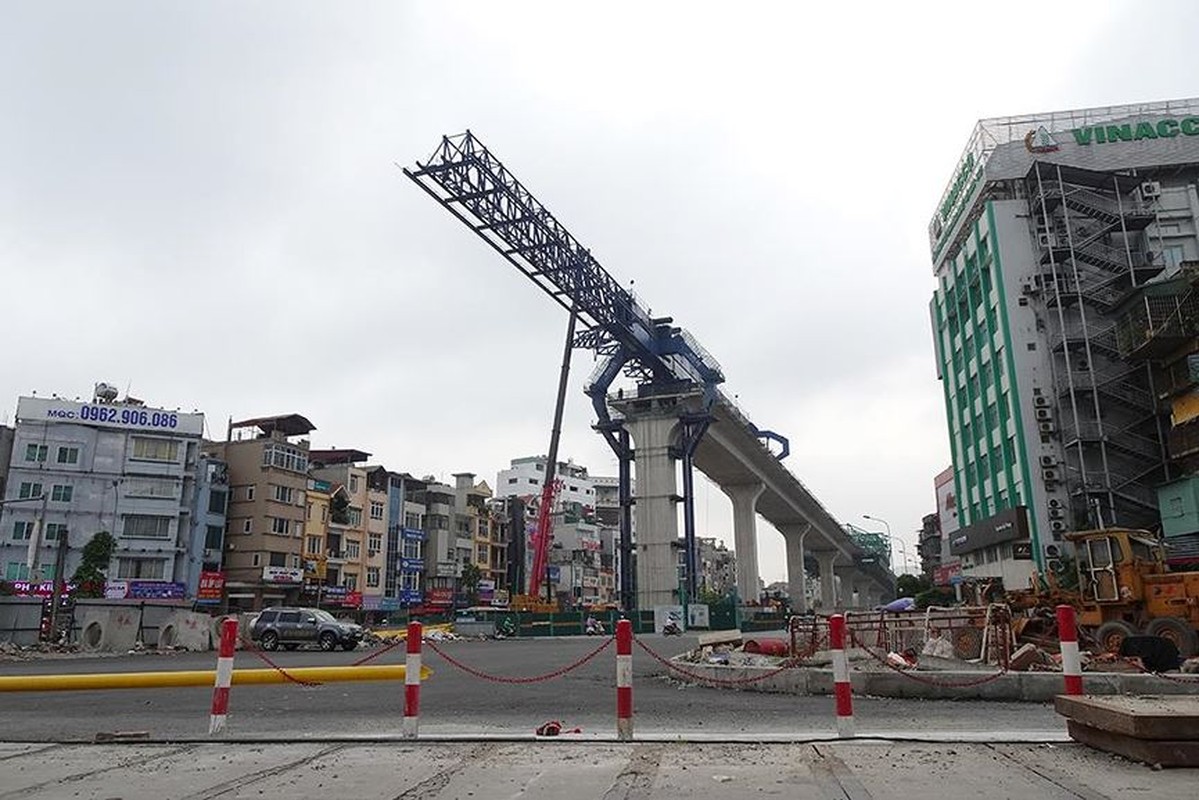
455, 703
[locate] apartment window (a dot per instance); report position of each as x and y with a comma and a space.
533, 481
256, 560
375, 543
249, 492
146, 449
278, 559
286, 458
247, 525
412, 520
324, 513
312, 545
309, 515
217, 501
1173, 255
145, 568
481, 553
297, 529
410, 581
280, 527
1032, 346
412, 548
146, 526
353, 484
61, 494
295, 561
284, 494
512, 480
16, 571
372, 577
22, 530
354, 515
36, 453
29, 490
376, 510
353, 549
54, 530
214, 538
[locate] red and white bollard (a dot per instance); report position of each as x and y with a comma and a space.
412, 682
624, 680
224, 677
1068, 635
842, 688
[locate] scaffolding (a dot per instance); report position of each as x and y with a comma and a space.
1091, 233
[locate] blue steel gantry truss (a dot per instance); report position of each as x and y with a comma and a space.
471, 183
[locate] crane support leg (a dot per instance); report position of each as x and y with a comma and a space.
692, 428
628, 575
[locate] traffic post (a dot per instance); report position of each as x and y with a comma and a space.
624, 680
842, 688
224, 677
412, 682
1068, 636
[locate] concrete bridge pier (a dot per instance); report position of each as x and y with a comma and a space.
653, 433
797, 583
828, 580
745, 537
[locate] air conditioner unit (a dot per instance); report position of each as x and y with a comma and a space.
1049, 475
1056, 565
1056, 513
1055, 503
1053, 551
1046, 239
1048, 461
1044, 413
1151, 190
1045, 427
1057, 525
1041, 401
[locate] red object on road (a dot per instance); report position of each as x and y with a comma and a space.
767, 647
224, 677
624, 680
412, 668
1068, 635
842, 688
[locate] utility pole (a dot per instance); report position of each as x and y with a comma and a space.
60, 583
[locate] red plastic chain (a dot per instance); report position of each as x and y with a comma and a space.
254, 649
372, 656
528, 679
790, 663
921, 679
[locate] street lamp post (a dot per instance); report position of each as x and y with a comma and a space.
903, 551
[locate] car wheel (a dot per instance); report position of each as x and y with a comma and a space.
347, 646
270, 641
290, 646
1112, 634
328, 640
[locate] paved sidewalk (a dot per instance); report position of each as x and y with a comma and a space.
851, 770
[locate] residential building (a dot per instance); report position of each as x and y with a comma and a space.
718, 566
206, 542
6, 439
445, 551
404, 566
1047, 224
267, 461
315, 551
928, 544
105, 465
607, 516
525, 477
354, 539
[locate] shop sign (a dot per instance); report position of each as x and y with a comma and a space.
282, 575
440, 597
145, 590
211, 587
1136, 131
944, 574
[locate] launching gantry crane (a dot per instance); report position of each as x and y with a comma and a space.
471, 183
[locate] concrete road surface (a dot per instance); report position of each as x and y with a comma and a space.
455, 703
560, 769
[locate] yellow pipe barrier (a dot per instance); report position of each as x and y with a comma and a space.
202, 677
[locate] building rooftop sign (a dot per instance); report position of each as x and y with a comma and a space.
109, 415
1046, 133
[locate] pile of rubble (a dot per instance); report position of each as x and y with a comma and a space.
16, 652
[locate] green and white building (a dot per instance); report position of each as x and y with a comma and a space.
1048, 224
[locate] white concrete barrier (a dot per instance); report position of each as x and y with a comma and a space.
185, 630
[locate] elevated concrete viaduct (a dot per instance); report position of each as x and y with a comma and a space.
735, 459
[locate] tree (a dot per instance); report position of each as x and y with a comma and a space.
471, 575
911, 585
93, 569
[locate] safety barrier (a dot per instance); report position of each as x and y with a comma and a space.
624, 680
842, 688
1071, 663
224, 677
412, 681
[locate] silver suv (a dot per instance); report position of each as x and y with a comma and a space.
292, 627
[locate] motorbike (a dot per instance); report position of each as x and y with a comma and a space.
672, 627
594, 627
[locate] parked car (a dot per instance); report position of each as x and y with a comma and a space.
292, 627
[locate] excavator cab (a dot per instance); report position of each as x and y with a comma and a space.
1112, 563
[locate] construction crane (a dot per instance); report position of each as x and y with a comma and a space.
471, 183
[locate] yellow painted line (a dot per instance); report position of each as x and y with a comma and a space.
201, 677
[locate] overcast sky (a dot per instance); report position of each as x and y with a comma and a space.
199, 202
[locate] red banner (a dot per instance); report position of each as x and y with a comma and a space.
439, 597
212, 586
944, 574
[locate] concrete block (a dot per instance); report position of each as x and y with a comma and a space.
1151, 751
20, 620
1155, 717
185, 630
109, 630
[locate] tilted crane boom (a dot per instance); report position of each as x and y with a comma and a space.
471, 183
